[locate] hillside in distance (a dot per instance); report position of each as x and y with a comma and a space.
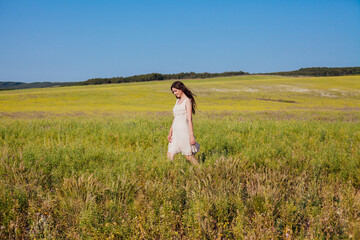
134, 78
22, 85
231, 94
313, 71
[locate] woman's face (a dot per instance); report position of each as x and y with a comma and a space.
177, 92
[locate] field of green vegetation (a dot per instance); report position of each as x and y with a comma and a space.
231, 94
279, 159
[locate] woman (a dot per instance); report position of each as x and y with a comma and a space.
181, 136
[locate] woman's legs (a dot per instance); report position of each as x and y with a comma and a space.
170, 156
192, 159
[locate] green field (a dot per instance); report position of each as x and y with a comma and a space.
241, 93
280, 159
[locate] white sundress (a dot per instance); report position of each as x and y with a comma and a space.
180, 141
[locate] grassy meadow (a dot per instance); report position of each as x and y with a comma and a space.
280, 159
232, 94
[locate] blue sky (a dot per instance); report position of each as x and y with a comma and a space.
58, 41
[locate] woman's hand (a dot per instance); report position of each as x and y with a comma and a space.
169, 137
192, 140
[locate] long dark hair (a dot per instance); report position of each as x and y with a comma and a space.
179, 85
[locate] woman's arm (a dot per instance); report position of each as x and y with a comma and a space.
188, 106
171, 132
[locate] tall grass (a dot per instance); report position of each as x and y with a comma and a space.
106, 177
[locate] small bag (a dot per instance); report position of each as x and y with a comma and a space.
195, 148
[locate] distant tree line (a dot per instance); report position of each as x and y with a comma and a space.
158, 77
314, 71
320, 71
